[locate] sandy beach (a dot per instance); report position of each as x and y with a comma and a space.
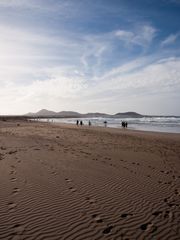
66, 182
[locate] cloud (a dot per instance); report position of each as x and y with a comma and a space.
125, 35
25, 52
98, 49
58, 87
68, 89
141, 36
65, 65
170, 39
128, 67
155, 78
61, 10
30, 4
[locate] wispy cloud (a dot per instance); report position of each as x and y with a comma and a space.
40, 5
156, 79
158, 76
142, 36
170, 39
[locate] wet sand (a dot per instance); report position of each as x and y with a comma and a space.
67, 182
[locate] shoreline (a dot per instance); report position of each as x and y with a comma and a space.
148, 127
113, 129
144, 126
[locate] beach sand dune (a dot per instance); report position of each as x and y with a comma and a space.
69, 182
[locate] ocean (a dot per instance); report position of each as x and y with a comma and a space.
155, 124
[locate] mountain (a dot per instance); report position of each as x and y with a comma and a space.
96, 114
47, 113
42, 112
128, 115
70, 114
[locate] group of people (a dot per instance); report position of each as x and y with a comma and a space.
81, 123
78, 122
124, 124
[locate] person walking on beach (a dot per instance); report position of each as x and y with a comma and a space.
89, 123
77, 122
105, 123
81, 123
124, 124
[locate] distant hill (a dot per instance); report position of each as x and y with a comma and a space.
96, 114
128, 115
47, 113
71, 114
68, 114
42, 112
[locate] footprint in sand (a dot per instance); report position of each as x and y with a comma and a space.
125, 215
168, 214
91, 200
11, 206
172, 205
177, 191
13, 179
107, 230
97, 218
171, 202
150, 227
15, 191
157, 213
68, 180
18, 230
73, 189
3, 148
12, 172
1, 156
53, 172
12, 151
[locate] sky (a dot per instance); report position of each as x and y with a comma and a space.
90, 56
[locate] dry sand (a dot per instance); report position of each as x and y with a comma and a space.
69, 182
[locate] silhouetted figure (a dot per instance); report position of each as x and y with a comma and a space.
81, 123
124, 124
105, 123
77, 122
89, 123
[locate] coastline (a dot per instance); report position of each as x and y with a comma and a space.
60, 181
170, 125
115, 130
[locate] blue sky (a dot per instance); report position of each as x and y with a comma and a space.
82, 55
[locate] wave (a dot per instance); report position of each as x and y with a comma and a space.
157, 124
